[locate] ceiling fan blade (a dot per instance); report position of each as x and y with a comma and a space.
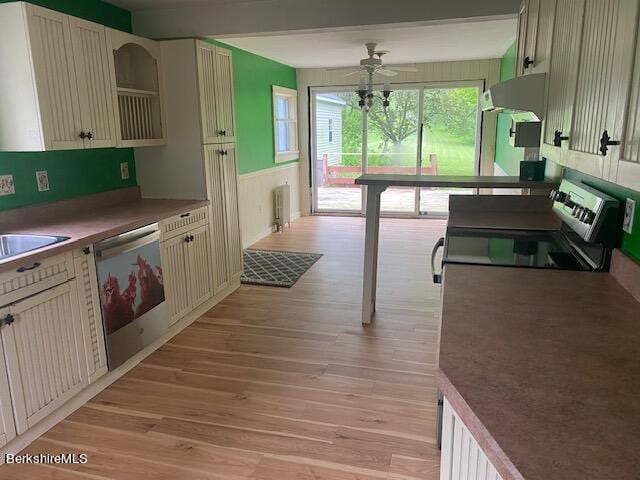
354, 72
402, 68
386, 73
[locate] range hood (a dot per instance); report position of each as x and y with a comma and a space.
524, 95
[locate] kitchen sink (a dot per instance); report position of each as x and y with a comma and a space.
12, 244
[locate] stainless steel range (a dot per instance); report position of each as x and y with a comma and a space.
584, 242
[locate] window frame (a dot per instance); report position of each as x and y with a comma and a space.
292, 122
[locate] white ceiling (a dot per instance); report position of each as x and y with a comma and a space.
415, 44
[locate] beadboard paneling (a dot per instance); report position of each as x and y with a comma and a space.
257, 204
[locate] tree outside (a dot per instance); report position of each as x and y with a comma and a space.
450, 116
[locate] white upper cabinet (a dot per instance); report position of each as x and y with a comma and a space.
137, 88
604, 72
215, 79
92, 60
562, 75
589, 76
527, 36
64, 85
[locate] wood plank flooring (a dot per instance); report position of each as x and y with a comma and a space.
280, 384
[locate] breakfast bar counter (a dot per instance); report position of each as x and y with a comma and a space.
377, 183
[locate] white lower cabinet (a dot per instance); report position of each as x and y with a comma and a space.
186, 261
90, 312
44, 352
7, 424
462, 458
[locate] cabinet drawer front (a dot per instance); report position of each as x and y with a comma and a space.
45, 353
37, 276
182, 223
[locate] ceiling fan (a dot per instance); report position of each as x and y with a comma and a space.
373, 64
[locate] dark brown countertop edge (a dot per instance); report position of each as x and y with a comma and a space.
168, 209
487, 443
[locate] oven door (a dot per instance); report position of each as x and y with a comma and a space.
134, 310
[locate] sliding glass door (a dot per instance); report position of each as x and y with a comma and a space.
428, 129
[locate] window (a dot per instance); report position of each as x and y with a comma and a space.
285, 123
330, 130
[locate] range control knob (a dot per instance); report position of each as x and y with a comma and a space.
577, 211
558, 196
588, 216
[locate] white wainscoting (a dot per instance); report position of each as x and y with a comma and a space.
256, 198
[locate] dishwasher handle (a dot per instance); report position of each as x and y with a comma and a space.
437, 277
127, 242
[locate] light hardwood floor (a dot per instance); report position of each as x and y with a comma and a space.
280, 384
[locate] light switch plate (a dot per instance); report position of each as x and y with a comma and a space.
124, 171
629, 212
6, 185
42, 179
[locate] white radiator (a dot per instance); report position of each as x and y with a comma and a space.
283, 206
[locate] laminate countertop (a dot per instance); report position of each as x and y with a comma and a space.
86, 226
543, 366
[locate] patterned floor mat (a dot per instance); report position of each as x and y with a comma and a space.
276, 269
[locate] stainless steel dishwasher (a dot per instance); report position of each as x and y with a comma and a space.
134, 310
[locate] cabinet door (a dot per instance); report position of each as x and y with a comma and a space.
200, 278
234, 243
90, 313
562, 76
175, 276
44, 351
604, 73
224, 95
51, 45
7, 425
206, 60
217, 215
527, 36
92, 57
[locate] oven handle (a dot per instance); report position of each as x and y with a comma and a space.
153, 236
437, 277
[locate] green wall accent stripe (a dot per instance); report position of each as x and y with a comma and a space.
73, 172
506, 156
253, 77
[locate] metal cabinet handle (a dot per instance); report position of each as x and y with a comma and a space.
527, 62
511, 132
8, 319
32, 267
437, 277
606, 142
184, 215
558, 138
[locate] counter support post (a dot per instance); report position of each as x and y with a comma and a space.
370, 273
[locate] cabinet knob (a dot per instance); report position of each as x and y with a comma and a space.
606, 142
187, 239
527, 62
86, 250
89, 135
222, 133
191, 238
83, 135
558, 138
8, 319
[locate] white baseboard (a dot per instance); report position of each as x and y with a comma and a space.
256, 238
22, 441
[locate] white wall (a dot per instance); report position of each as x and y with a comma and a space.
487, 71
256, 199
260, 16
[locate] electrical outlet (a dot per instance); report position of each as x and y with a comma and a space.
124, 171
42, 180
7, 186
629, 212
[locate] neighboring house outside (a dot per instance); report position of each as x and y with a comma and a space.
329, 127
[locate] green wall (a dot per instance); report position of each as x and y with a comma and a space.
253, 77
630, 243
507, 157
73, 172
